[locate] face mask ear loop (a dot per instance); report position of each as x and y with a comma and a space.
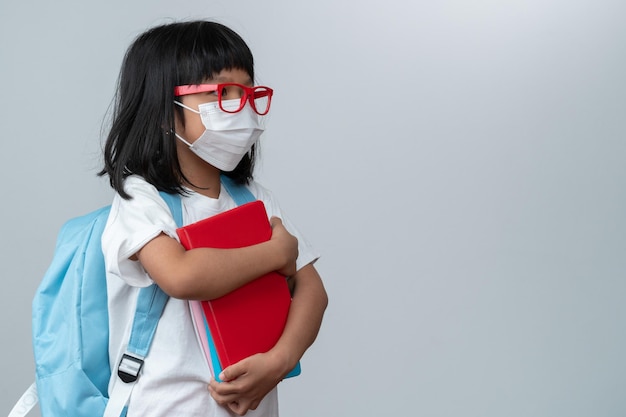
181, 139
186, 107
190, 109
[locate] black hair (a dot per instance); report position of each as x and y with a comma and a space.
141, 139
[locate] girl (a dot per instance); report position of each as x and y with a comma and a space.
187, 112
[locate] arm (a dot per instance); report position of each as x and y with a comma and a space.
305, 317
248, 381
207, 273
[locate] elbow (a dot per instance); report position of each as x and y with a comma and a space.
320, 297
179, 284
177, 292
176, 288
324, 300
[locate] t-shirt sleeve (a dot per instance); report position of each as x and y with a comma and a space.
131, 224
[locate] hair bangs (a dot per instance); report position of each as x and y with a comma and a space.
207, 49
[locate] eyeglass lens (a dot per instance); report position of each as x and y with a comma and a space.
260, 97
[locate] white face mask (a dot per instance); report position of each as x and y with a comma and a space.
228, 136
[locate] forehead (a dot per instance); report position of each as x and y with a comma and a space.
234, 75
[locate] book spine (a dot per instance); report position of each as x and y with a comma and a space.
184, 238
218, 340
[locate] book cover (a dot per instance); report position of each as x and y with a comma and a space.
250, 319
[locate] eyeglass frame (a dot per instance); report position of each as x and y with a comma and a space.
249, 94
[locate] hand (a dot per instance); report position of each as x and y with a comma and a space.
287, 244
247, 382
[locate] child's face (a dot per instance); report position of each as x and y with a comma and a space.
193, 127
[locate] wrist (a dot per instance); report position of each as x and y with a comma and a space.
275, 255
283, 361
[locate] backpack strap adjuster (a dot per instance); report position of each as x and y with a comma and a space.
129, 368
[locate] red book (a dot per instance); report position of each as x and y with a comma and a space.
250, 319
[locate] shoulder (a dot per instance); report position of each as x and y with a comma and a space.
261, 192
264, 194
135, 185
144, 207
143, 196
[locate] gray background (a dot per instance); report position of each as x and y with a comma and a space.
459, 164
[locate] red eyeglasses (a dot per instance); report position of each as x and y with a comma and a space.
259, 97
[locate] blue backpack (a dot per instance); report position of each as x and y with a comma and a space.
71, 323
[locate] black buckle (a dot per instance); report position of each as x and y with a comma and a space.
129, 368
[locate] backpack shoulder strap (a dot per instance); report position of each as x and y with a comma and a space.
174, 203
26, 402
240, 193
151, 302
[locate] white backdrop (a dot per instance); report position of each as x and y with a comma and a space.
459, 164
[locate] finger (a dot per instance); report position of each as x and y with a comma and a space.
234, 371
234, 407
224, 388
275, 221
254, 405
239, 407
223, 399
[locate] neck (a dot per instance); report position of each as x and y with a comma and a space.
207, 187
202, 177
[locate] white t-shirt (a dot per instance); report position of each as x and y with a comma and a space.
175, 374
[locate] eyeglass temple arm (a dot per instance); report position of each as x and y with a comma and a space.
183, 90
